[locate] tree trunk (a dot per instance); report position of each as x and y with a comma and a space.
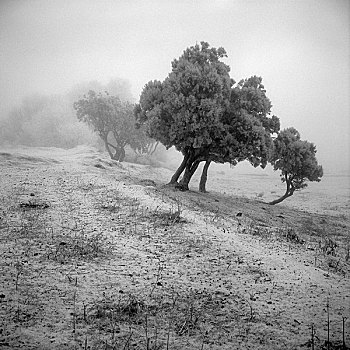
107, 144
279, 200
121, 154
154, 148
116, 154
289, 192
179, 170
189, 171
119, 148
204, 177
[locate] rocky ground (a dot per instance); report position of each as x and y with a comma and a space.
101, 255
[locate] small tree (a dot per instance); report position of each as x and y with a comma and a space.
113, 120
296, 159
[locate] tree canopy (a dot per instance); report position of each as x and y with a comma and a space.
182, 110
200, 110
296, 159
247, 128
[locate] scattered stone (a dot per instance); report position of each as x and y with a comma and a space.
148, 182
31, 205
100, 166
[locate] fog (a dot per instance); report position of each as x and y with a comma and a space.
300, 48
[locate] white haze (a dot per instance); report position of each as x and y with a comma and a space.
299, 47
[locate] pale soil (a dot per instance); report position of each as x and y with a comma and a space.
101, 255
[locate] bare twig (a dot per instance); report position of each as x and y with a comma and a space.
344, 346
127, 341
146, 332
159, 274
19, 270
328, 323
168, 336
74, 304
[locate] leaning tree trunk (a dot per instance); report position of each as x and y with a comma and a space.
154, 148
179, 170
116, 154
189, 171
107, 146
121, 154
204, 177
289, 192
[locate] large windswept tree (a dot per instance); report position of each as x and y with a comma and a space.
113, 120
185, 109
296, 159
198, 110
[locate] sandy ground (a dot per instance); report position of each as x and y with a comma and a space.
101, 255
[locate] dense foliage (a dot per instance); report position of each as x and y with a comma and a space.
247, 128
296, 159
200, 110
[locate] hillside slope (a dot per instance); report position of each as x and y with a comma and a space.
101, 255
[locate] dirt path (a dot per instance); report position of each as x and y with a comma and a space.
93, 255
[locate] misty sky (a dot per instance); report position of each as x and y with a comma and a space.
300, 48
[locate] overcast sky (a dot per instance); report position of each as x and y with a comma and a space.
300, 48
